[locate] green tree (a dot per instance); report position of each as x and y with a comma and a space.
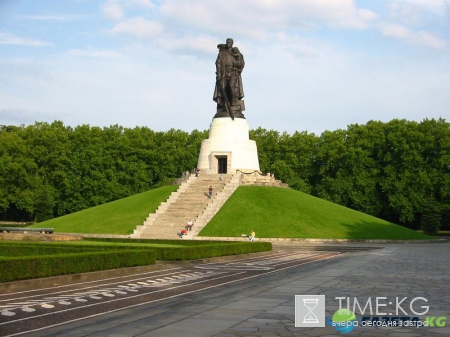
49, 148
329, 159
431, 217
267, 143
44, 204
389, 170
18, 175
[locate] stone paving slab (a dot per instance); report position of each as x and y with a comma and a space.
396, 271
266, 307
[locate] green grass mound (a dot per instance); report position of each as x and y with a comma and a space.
286, 213
116, 217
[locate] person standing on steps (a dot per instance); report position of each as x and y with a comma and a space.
210, 192
189, 225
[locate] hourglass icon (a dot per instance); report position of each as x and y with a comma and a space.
310, 304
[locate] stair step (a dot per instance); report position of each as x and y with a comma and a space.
190, 201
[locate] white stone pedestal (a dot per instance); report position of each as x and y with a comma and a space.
228, 148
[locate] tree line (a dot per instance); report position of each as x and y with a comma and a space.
398, 171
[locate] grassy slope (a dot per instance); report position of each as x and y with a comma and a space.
117, 217
277, 212
271, 212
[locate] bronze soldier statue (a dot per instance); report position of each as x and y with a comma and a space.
229, 91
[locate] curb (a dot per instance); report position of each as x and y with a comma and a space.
279, 240
319, 241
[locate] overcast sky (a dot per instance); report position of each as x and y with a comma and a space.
311, 65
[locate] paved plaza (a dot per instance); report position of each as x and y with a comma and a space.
394, 271
264, 305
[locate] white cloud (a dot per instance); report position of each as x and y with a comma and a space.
53, 17
420, 37
203, 44
447, 11
430, 5
296, 45
95, 53
180, 25
429, 40
255, 18
395, 31
405, 13
112, 10
143, 4
8, 39
115, 9
342, 13
419, 12
139, 27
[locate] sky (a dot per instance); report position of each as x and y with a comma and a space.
310, 65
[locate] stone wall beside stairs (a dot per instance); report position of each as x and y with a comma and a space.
258, 179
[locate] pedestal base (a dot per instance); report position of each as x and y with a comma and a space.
228, 148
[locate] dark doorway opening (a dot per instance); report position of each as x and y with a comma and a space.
222, 163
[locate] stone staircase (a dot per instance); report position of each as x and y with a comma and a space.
213, 207
138, 232
190, 201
